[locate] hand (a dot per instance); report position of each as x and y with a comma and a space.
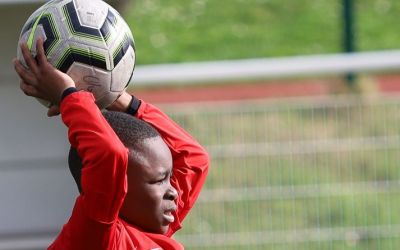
54, 110
122, 103
41, 80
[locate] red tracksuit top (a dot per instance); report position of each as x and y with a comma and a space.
94, 223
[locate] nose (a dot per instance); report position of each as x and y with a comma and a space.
171, 193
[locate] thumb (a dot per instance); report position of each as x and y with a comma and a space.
54, 110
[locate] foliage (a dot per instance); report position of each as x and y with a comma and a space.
200, 30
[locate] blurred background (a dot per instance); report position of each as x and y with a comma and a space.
297, 102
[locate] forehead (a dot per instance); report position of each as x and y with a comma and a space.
154, 157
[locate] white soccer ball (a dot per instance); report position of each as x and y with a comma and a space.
88, 40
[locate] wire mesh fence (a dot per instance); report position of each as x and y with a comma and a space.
309, 173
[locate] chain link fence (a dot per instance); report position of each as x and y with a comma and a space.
309, 173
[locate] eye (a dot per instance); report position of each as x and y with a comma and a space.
160, 181
163, 180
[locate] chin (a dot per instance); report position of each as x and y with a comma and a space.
163, 230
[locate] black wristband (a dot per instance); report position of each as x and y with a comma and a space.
67, 92
133, 106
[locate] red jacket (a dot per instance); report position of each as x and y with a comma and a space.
94, 223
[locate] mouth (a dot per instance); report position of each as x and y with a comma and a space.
168, 216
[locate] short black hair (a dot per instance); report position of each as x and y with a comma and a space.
130, 130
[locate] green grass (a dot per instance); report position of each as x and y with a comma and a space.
337, 170
291, 214
337, 245
287, 122
313, 169
182, 31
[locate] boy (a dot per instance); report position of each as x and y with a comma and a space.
134, 196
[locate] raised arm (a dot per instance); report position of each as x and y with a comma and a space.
103, 179
190, 160
104, 156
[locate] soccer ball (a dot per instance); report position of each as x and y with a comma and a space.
88, 40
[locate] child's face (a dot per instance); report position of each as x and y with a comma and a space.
150, 200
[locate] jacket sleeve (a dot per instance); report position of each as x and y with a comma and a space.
103, 179
190, 160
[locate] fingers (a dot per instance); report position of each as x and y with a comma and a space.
54, 110
41, 55
23, 73
30, 61
29, 90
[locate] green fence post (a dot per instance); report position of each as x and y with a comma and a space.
348, 35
